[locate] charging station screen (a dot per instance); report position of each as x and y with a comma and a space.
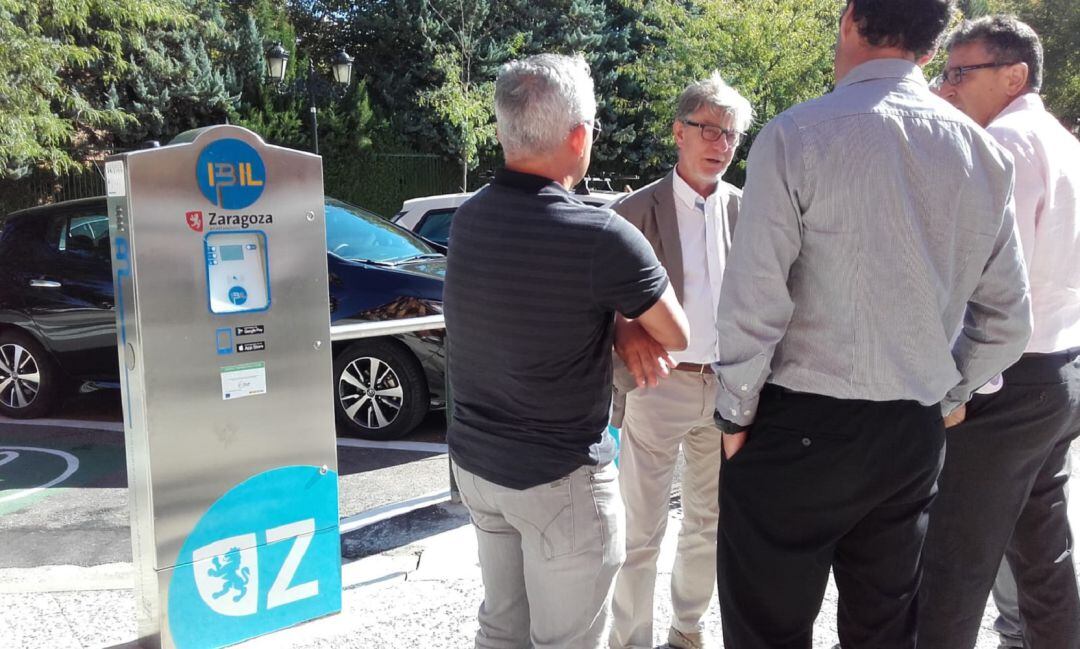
236, 272
232, 253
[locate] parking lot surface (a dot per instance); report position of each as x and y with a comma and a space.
409, 566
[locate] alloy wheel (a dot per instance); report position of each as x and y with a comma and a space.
20, 376
370, 392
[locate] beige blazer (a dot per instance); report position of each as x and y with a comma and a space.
651, 210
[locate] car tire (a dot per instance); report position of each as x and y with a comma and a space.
38, 386
394, 404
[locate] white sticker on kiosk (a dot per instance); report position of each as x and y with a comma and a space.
114, 178
246, 380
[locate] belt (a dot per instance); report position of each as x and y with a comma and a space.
1065, 355
695, 368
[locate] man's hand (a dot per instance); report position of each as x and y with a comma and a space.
733, 443
646, 359
955, 417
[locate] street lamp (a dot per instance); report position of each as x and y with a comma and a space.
277, 58
342, 67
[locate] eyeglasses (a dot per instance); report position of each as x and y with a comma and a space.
711, 133
956, 75
597, 128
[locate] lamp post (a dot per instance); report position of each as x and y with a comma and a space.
277, 58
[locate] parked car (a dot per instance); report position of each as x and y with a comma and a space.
430, 216
58, 328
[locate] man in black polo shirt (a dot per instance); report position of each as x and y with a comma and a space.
533, 282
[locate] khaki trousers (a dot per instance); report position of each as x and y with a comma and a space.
548, 558
659, 420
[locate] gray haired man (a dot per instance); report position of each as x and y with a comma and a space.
533, 283
688, 216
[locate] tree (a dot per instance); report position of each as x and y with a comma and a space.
54, 56
182, 78
465, 104
430, 63
776, 53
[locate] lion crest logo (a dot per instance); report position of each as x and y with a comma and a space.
235, 575
227, 575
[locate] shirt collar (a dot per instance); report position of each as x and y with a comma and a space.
525, 182
685, 193
883, 69
1026, 102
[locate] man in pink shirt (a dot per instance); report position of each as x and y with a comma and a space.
1002, 487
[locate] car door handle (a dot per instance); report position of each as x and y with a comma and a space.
44, 283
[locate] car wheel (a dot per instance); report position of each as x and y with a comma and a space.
29, 380
380, 390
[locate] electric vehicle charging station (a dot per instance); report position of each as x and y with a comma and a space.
219, 267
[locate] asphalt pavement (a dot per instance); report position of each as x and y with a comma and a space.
410, 572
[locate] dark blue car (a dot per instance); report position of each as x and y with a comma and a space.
58, 329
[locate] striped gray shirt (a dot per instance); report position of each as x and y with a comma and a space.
874, 220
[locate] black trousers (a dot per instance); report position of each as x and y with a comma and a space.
1002, 493
826, 483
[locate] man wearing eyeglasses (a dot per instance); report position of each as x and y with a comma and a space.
874, 221
1001, 491
688, 217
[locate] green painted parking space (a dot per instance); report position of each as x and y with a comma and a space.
39, 463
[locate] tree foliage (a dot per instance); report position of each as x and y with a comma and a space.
776, 53
1057, 22
55, 57
79, 79
461, 101
182, 77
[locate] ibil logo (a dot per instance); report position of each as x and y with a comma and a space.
231, 174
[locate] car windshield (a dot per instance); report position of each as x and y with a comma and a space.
359, 235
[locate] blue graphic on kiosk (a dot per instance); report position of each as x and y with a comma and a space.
264, 557
237, 295
231, 174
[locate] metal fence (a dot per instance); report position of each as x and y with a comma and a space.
43, 188
381, 182
387, 328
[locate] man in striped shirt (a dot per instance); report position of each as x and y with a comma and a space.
533, 282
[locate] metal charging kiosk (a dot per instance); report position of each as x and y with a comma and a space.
219, 267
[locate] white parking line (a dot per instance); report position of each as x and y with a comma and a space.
7, 456
372, 516
72, 466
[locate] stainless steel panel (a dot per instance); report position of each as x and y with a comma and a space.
186, 445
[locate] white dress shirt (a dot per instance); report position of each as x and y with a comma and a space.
701, 229
1047, 192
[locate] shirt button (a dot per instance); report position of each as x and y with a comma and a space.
806, 441
746, 413
744, 388
734, 412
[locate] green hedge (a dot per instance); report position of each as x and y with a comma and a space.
382, 182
